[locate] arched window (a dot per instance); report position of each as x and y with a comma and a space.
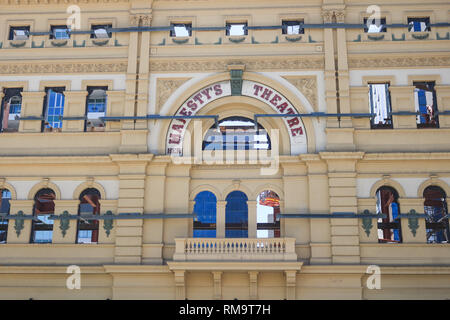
389, 228
268, 208
236, 215
42, 226
436, 210
236, 133
205, 209
87, 230
5, 197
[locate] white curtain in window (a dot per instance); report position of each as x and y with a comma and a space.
379, 103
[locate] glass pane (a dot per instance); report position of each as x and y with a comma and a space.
205, 209
236, 215
55, 109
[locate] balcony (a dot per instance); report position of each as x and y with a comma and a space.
234, 249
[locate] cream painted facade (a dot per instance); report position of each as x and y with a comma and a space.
335, 165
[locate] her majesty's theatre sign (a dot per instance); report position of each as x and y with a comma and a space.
252, 89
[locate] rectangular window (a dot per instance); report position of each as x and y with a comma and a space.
19, 33
60, 32
54, 109
181, 29
425, 105
419, 24
380, 105
10, 110
96, 108
292, 27
101, 31
375, 26
5, 197
237, 29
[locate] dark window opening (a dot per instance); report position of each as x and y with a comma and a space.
237, 133
268, 209
42, 226
389, 228
87, 230
5, 197
236, 215
290, 27
205, 210
53, 109
237, 29
436, 211
59, 32
19, 33
419, 24
100, 31
375, 26
426, 105
380, 106
181, 29
96, 108
11, 107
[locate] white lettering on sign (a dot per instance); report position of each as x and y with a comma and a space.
252, 89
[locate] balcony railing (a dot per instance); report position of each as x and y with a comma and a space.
234, 249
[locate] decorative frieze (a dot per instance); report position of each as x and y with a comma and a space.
38, 68
165, 88
398, 62
307, 86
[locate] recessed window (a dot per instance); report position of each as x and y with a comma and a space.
236, 29
10, 110
100, 31
389, 228
5, 197
380, 105
375, 25
53, 109
60, 32
87, 230
436, 211
426, 105
42, 225
96, 108
419, 24
292, 27
19, 33
181, 30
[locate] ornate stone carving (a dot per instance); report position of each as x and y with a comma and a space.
307, 86
301, 63
143, 18
26, 68
165, 88
340, 16
327, 16
398, 62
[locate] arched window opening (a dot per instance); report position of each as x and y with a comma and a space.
436, 211
95, 108
205, 210
236, 133
87, 230
268, 208
42, 226
236, 215
5, 197
389, 228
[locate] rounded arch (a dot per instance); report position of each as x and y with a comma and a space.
387, 183
44, 185
433, 182
239, 187
205, 187
10, 188
89, 185
270, 187
296, 98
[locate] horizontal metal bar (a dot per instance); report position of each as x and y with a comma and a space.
335, 215
160, 117
124, 216
31, 118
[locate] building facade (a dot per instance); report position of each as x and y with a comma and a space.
205, 149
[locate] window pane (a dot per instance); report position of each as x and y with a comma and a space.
380, 105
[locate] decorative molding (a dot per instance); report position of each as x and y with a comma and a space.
307, 86
27, 68
375, 38
293, 39
313, 62
64, 223
165, 88
327, 16
108, 224
19, 223
143, 19
46, 2
367, 222
413, 222
398, 62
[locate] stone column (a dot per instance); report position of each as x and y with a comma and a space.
32, 106
443, 103
180, 286
291, 285
220, 222
253, 282
217, 278
252, 218
413, 228
403, 100
20, 231
65, 231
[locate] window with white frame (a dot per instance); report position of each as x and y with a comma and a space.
292, 27
181, 30
419, 24
374, 25
53, 109
10, 110
380, 105
60, 32
19, 33
236, 29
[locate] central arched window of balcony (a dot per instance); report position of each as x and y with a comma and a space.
42, 226
389, 228
236, 215
87, 228
237, 133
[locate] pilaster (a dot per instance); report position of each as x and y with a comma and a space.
32, 106
65, 231
74, 106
